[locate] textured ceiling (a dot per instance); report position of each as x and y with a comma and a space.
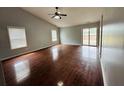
75, 15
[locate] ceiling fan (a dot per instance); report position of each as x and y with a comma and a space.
57, 14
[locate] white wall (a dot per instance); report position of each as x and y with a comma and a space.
72, 35
113, 46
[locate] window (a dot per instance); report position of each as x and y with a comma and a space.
17, 37
54, 35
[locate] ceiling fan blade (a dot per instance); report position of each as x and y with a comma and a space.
63, 14
53, 16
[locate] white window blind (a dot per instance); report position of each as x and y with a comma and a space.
54, 35
17, 37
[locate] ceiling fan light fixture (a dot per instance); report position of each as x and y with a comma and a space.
57, 14
57, 17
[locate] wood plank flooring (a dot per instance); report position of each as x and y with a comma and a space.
66, 65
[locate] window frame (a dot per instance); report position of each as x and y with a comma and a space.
10, 37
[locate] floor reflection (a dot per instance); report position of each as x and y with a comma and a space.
60, 83
89, 52
22, 70
72, 66
55, 53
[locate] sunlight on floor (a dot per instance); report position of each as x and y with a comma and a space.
89, 52
22, 70
55, 53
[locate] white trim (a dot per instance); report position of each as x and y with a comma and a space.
103, 73
70, 44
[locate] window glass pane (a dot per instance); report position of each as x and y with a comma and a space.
17, 37
85, 36
93, 34
54, 35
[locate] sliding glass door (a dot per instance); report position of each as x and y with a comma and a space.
85, 36
90, 36
93, 36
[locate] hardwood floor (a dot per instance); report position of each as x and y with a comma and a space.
58, 65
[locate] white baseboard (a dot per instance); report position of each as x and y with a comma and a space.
103, 74
2, 59
69, 44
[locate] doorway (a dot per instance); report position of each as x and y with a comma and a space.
89, 36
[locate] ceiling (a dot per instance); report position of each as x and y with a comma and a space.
75, 15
